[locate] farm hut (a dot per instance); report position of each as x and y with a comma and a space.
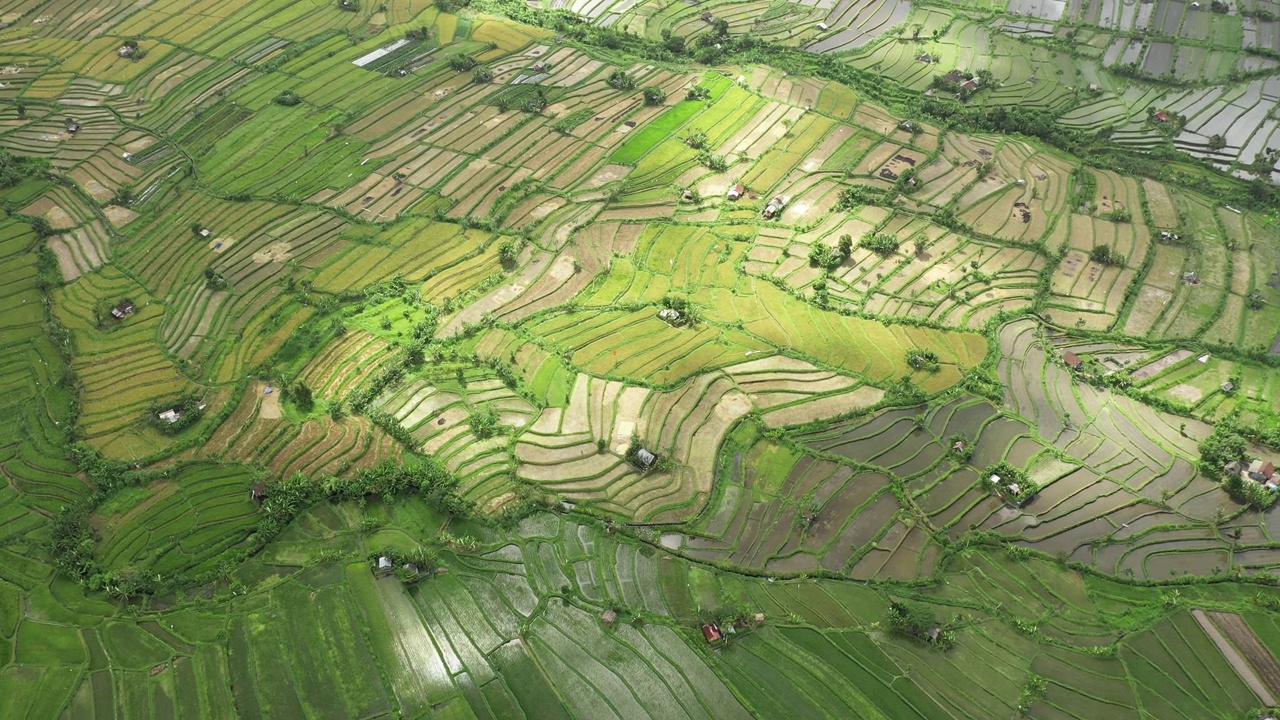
170, 416
1262, 471
994, 480
1203, 358
971, 84
1072, 360
258, 493
925, 58
1161, 116
609, 617
955, 76
708, 17
123, 310
73, 127
669, 314
645, 459
127, 156
711, 631
1191, 277
126, 51
959, 446
774, 207
1233, 468
737, 191
1228, 386
823, 27
204, 232
385, 564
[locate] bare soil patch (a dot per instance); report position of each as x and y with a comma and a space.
270, 408
119, 216
1160, 365
1188, 394
275, 252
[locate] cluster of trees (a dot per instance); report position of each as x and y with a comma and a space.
288, 98
713, 162
215, 280
924, 360
509, 252
830, 257
680, 304
917, 621
1227, 444
16, 168
856, 196
1014, 485
1104, 255
189, 412
880, 243
485, 423
619, 80
462, 62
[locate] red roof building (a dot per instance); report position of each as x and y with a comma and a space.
1072, 360
1161, 116
712, 632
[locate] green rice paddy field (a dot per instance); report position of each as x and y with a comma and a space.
426, 360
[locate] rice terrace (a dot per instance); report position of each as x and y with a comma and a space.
503, 359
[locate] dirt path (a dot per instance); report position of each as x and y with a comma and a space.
1233, 656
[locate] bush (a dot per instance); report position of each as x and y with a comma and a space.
481, 76
349, 5
288, 98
